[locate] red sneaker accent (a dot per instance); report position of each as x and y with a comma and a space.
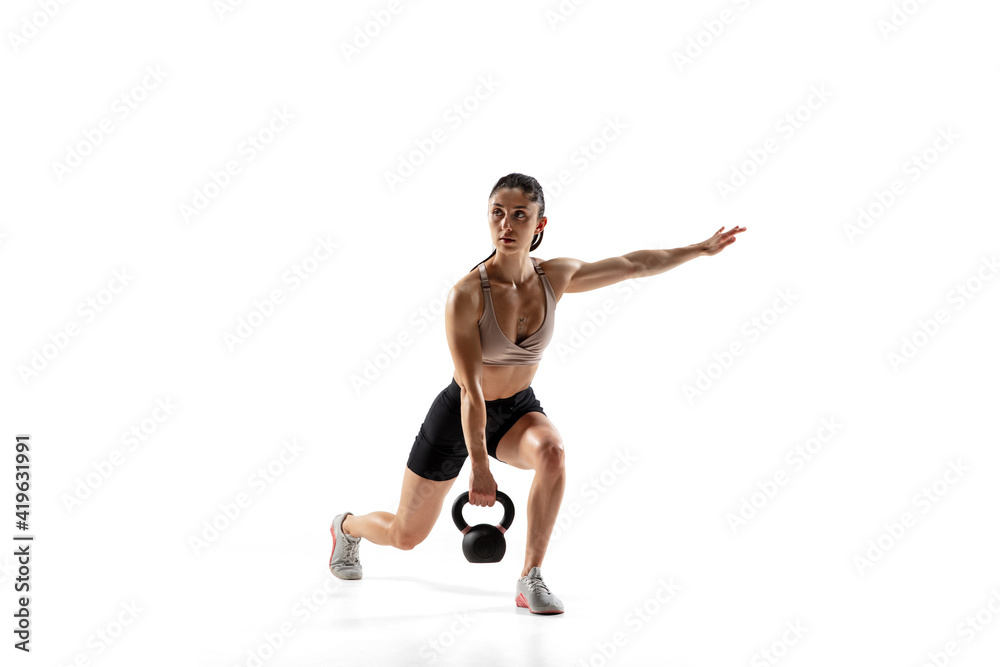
334, 545
521, 601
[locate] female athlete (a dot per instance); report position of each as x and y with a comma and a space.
498, 319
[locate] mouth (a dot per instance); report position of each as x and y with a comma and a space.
505, 239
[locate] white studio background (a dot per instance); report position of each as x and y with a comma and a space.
857, 143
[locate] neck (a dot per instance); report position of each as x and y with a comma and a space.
513, 269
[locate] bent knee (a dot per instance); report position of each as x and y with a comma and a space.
406, 539
550, 455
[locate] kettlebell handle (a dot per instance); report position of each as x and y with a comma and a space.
463, 499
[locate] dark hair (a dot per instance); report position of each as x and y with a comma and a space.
532, 189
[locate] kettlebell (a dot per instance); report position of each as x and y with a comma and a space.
483, 543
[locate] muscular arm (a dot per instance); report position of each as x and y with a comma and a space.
586, 276
474, 425
462, 328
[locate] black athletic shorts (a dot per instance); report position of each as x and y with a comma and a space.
439, 450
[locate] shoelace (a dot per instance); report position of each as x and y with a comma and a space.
538, 586
350, 556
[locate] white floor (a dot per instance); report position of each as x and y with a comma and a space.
291, 285
785, 592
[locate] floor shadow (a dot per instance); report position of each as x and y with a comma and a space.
409, 617
447, 588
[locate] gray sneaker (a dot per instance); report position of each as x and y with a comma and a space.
344, 563
534, 595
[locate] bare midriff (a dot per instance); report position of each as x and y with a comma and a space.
505, 381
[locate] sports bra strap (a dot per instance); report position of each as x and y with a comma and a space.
483, 279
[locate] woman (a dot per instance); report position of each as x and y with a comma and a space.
499, 320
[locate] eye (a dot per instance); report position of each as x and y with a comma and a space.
520, 213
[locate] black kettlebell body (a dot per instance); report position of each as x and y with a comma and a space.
483, 543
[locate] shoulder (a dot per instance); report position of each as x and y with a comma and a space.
558, 266
468, 284
467, 294
558, 270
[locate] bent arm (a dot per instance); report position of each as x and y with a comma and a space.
462, 329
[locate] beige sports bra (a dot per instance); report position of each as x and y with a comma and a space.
498, 350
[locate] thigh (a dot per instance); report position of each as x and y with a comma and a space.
530, 433
420, 504
438, 451
502, 417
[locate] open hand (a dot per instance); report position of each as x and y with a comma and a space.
720, 240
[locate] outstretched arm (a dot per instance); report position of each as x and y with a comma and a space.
652, 262
586, 276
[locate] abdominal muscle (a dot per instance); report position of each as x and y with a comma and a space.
505, 381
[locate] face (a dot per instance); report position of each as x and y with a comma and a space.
514, 216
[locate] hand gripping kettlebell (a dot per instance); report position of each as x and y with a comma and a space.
483, 543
